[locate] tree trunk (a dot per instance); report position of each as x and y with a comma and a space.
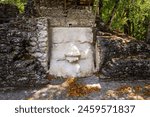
127, 26
100, 8
112, 15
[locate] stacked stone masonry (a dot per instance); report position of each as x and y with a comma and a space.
73, 18
123, 58
54, 10
23, 52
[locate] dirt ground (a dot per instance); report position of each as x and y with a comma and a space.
110, 90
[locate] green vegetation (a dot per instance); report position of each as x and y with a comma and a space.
19, 3
129, 16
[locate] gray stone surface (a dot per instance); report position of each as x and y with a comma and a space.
73, 15
110, 90
21, 61
38, 42
123, 58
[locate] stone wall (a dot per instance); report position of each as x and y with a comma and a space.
123, 58
23, 48
73, 18
39, 43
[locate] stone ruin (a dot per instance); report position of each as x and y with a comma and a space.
60, 39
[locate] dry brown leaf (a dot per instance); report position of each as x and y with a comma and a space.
78, 90
147, 86
135, 97
111, 93
124, 90
146, 93
137, 89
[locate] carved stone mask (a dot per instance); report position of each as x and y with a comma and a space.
71, 52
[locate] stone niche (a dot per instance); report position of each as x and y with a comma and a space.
71, 52
71, 38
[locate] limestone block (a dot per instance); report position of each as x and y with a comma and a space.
90, 81
72, 34
72, 49
72, 52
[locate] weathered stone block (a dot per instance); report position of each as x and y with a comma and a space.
123, 58
72, 52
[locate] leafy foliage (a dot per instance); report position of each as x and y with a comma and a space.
131, 14
19, 3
